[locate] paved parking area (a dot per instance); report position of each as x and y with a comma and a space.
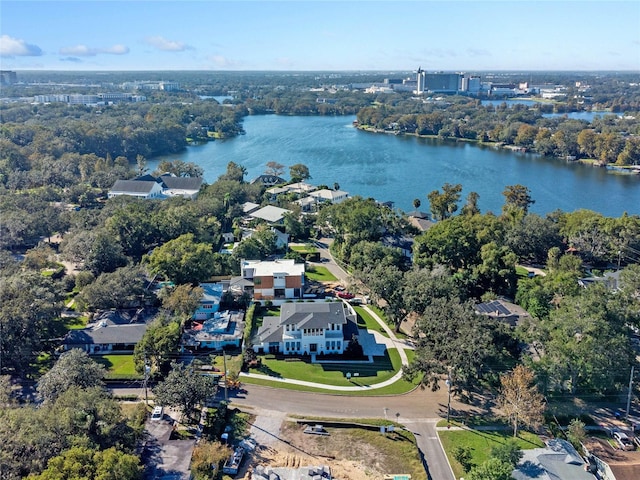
373, 343
163, 458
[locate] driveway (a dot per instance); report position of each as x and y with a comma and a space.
163, 458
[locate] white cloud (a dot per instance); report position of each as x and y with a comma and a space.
14, 47
85, 51
165, 45
221, 61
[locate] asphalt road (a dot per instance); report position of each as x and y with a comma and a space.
419, 411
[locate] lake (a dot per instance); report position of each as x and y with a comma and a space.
402, 168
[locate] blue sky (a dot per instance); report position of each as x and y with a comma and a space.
319, 35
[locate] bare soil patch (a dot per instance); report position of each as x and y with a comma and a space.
352, 454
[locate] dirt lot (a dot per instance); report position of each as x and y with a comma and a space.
352, 454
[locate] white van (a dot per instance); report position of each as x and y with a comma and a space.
157, 413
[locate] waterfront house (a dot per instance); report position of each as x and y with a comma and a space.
268, 180
164, 186
305, 328
329, 196
138, 187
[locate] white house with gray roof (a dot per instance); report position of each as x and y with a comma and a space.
305, 328
270, 214
148, 186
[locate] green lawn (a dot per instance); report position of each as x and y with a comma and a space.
320, 274
304, 249
75, 323
380, 370
118, 366
480, 443
397, 388
365, 320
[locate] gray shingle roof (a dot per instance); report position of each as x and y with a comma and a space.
103, 335
132, 186
312, 315
181, 183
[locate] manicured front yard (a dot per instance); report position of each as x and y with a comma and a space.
380, 370
365, 320
118, 366
481, 443
320, 274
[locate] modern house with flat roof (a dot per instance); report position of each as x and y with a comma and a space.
221, 330
304, 329
277, 280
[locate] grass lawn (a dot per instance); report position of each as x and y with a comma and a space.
118, 366
75, 323
234, 363
320, 274
481, 443
365, 320
397, 388
304, 249
382, 369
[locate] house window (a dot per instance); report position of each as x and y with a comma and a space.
328, 345
298, 346
333, 345
338, 345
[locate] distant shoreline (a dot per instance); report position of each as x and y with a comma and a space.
611, 168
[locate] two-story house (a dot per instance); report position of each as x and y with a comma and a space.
210, 302
277, 280
305, 329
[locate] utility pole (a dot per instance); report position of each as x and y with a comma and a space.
147, 369
226, 374
448, 382
629, 394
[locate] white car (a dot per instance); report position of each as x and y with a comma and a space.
623, 441
157, 414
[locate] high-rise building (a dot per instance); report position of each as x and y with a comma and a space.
8, 77
420, 81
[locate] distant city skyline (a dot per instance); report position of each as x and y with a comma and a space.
324, 35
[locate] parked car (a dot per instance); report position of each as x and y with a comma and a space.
346, 295
623, 441
157, 414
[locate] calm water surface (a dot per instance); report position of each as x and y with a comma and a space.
402, 168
